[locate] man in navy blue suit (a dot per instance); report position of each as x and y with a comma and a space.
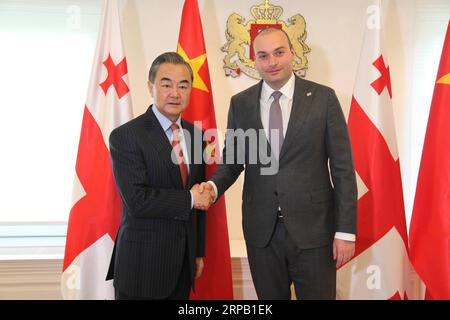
161, 240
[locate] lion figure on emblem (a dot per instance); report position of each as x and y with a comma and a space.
237, 34
297, 33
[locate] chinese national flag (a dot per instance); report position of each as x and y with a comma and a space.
216, 281
430, 223
380, 268
95, 215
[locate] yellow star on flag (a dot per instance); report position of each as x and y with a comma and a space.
445, 79
196, 63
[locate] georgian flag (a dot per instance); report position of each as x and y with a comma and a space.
381, 267
95, 215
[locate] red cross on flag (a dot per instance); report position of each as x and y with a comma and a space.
380, 268
96, 210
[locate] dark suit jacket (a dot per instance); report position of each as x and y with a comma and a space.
157, 224
313, 206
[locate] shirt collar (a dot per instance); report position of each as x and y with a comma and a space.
287, 90
163, 120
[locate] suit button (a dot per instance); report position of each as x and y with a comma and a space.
276, 194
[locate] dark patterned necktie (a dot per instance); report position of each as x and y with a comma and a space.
179, 153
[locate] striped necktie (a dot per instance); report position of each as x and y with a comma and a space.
179, 153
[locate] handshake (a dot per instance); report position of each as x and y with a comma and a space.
204, 195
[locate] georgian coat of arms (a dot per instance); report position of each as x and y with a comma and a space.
240, 35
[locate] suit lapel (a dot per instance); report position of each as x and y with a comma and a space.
254, 112
255, 107
301, 105
158, 138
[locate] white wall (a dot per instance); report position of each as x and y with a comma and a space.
414, 29
335, 31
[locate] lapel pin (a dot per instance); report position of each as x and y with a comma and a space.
308, 94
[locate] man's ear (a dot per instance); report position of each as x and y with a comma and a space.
293, 53
150, 87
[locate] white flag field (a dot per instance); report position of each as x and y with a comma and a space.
96, 210
380, 268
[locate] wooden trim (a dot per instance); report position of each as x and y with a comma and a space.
40, 279
30, 279
242, 281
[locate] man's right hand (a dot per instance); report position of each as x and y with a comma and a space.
207, 187
202, 197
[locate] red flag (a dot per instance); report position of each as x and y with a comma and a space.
430, 223
95, 215
380, 268
216, 281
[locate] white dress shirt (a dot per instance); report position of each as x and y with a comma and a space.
165, 124
285, 100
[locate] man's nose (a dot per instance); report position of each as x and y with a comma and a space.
175, 92
273, 61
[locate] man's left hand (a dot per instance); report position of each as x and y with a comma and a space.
343, 251
200, 265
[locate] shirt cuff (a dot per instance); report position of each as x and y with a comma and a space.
215, 189
192, 199
345, 236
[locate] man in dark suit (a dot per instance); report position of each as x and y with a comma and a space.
298, 223
161, 240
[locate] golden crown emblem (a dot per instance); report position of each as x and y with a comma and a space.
240, 33
266, 13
